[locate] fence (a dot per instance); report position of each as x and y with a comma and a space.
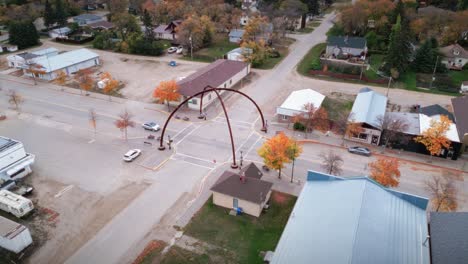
74, 41
348, 77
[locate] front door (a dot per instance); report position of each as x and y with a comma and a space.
375, 140
235, 203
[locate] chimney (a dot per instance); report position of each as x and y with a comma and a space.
242, 177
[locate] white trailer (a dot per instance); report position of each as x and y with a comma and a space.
13, 236
15, 162
15, 204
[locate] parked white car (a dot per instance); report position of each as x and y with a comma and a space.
171, 50
131, 155
152, 126
180, 49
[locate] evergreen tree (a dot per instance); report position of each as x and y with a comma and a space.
313, 6
23, 34
49, 18
399, 50
60, 13
423, 61
148, 23
399, 10
462, 5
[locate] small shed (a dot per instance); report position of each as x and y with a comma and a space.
235, 191
13, 236
62, 32
464, 87
235, 36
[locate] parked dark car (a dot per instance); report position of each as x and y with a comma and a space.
360, 151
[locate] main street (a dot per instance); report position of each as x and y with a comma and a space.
200, 148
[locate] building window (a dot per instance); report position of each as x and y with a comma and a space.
230, 81
284, 117
224, 85
363, 136
193, 101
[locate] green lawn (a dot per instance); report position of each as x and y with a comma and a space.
458, 77
242, 237
337, 108
312, 57
375, 62
215, 51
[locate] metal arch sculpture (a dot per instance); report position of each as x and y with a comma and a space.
216, 90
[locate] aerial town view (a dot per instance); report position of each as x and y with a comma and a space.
234, 131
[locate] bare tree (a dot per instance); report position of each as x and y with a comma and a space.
331, 162
15, 99
93, 119
392, 126
125, 121
443, 193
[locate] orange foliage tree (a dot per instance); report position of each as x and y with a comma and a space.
124, 122
279, 150
353, 129
167, 91
84, 79
35, 70
385, 171
313, 118
110, 84
434, 138
61, 78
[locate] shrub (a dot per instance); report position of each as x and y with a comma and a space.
299, 126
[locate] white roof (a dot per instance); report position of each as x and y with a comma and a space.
297, 99
42, 52
240, 50
425, 123
66, 59
12, 199
368, 106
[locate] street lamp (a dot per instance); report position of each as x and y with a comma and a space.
433, 72
191, 46
241, 159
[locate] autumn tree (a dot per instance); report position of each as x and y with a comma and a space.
331, 162
256, 28
124, 122
110, 84
15, 99
35, 70
434, 138
84, 79
385, 171
125, 24
275, 152
292, 9
61, 78
117, 6
293, 151
93, 119
443, 193
391, 126
353, 129
255, 52
312, 118
166, 92
195, 32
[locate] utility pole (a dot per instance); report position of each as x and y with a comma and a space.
294, 159
191, 46
433, 73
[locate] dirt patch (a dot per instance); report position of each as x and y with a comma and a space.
153, 248
421, 169
280, 198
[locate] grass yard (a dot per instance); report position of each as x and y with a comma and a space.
217, 50
282, 46
310, 59
375, 62
241, 237
458, 77
337, 107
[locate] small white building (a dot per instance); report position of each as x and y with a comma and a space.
295, 104
238, 54
62, 32
219, 74
15, 163
21, 60
464, 87
68, 62
13, 236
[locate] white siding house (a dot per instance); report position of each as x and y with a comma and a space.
21, 60
69, 62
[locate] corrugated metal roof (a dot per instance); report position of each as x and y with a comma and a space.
449, 237
412, 119
236, 33
298, 99
354, 221
66, 59
368, 106
43, 52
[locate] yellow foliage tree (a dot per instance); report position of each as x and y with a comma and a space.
61, 78
434, 138
110, 84
385, 171
167, 91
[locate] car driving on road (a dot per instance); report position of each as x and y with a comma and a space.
360, 151
131, 155
152, 126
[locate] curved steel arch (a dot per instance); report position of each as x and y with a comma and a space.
216, 90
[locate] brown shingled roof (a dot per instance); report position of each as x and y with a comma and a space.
252, 189
214, 75
251, 171
454, 51
460, 110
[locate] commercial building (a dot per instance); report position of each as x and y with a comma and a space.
15, 163
21, 60
296, 103
460, 110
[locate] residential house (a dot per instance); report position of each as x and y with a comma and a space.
454, 56
68, 62
85, 19
249, 194
21, 60
238, 54
464, 87
448, 237
62, 32
101, 25
219, 74
15, 162
235, 36
354, 220
460, 110
436, 110
294, 104
168, 31
367, 108
248, 7
345, 47
417, 124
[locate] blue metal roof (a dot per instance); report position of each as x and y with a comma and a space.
354, 220
368, 106
236, 33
